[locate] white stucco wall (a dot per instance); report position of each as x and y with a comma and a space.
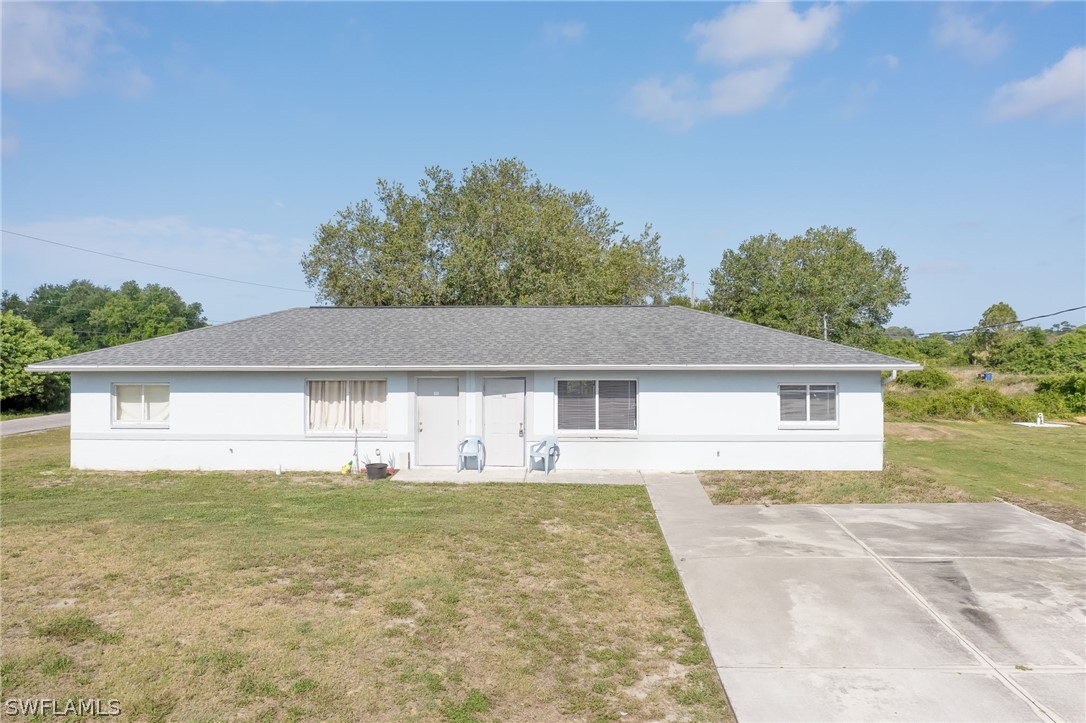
724, 420
686, 420
227, 421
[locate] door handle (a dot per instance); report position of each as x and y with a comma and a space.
521, 433
420, 425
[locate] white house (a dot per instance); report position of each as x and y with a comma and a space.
622, 387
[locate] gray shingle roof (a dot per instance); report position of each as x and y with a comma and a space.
478, 336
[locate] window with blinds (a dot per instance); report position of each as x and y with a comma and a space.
597, 404
344, 406
802, 403
141, 404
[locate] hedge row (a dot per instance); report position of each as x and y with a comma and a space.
981, 403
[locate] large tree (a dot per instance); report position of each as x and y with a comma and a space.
790, 283
83, 316
998, 325
495, 235
133, 313
22, 343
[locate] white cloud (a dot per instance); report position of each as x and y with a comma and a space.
758, 42
1058, 90
167, 240
764, 30
564, 32
683, 102
965, 33
890, 61
672, 104
160, 235
134, 83
742, 91
859, 99
53, 49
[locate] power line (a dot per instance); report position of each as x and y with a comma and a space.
1006, 323
157, 266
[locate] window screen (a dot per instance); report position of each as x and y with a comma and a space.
823, 403
128, 397
141, 403
577, 404
618, 404
808, 402
793, 403
605, 404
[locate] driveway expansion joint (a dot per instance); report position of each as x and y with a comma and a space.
966, 642
882, 640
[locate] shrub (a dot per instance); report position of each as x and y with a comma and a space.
1070, 389
973, 403
927, 378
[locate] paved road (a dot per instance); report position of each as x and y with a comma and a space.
24, 425
933, 612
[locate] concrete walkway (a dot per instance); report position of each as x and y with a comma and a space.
25, 425
519, 474
926, 612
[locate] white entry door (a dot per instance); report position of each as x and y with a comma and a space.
503, 422
438, 412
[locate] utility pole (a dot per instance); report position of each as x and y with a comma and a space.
825, 328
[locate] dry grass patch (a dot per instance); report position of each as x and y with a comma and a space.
897, 483
257, 597
1007, 383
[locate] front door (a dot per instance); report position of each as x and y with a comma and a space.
503, 421
438, 412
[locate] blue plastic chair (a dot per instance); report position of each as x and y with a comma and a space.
546, 450
471, 446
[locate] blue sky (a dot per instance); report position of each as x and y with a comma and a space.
216, 137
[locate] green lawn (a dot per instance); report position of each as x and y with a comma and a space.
1037, 468
191, 596
1043, 470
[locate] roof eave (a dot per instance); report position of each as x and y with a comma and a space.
890, 365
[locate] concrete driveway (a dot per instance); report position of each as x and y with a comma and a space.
926, 612
25, 425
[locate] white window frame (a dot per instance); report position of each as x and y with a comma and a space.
142, 424
629, 433
808, 424
369, 434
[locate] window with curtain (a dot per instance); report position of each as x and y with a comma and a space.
343, 406
141, 404
802, 403
603, 404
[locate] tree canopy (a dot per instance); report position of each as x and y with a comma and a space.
789, 283
22, 343
495, 235
84, 316
997, 326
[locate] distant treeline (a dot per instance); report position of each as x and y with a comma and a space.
1054, 358
61, 319
997, 343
